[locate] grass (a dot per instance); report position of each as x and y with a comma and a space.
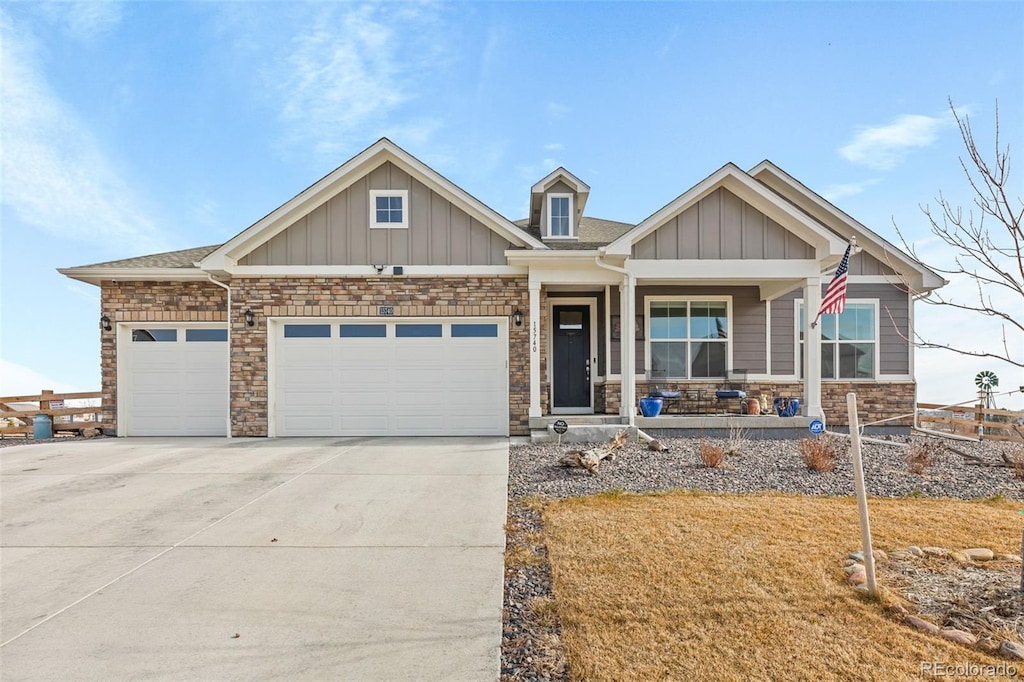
695, 585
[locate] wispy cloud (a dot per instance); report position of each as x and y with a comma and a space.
667, 45
55, 175
85, 21
555, 110
842, 190
554, 147
348, 70
884, 146
17, 379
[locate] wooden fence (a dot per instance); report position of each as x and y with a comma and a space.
972, 421
15, 421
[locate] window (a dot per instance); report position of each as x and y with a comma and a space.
408, 331
363, 331
154, 335
389, 208
307, 331
195, 335
689, 339
474, 331
560, 215
848, 341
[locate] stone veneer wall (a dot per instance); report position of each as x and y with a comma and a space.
150, 302
361, 297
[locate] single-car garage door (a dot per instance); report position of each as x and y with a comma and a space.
173, 380
371, 377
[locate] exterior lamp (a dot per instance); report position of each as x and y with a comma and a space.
250, 318
517, 317
105, 324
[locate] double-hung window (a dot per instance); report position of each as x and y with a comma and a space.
560, 215
849, 341
689, 339
389, 208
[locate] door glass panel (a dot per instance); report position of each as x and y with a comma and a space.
154, 335
570, 319
307, 331
405, 331
193, 335
474, 330
363, 331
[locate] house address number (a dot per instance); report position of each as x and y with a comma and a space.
386, 310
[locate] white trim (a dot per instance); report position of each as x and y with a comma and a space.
734, 270
768, 338
375, 194
591, 303
549, 199
99, 274
541, 185
877, 361
364, 271
726, 298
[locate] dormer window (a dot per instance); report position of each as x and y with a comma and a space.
560, 215
389, 208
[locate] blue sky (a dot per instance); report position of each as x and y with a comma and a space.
132, 128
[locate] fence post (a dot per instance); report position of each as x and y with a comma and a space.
44, 404
862, 498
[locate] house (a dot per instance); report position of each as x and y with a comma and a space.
384, 299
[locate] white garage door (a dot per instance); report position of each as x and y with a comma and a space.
174, 381
369, 378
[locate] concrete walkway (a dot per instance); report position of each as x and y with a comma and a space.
316, 559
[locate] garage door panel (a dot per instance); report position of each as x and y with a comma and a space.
409, 385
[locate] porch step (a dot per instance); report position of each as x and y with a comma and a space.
575, 420
581, 433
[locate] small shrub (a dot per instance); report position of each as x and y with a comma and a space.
922, 454
711, 456
1017, 455
737, 442
820, 453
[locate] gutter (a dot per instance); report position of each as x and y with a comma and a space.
227, 289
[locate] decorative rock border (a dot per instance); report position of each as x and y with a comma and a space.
856, 575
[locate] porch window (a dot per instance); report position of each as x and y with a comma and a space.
849, 341
689, 339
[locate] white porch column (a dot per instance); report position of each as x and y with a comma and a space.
535, 318
812, 349
627, 309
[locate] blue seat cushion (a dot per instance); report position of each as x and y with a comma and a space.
665, 394
730, 394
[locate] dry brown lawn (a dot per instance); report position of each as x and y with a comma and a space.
735, 587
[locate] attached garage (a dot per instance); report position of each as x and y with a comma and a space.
173, 380
371, 377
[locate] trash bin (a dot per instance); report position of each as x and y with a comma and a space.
650, 407
42, 426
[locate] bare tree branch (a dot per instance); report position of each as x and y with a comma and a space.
993, 261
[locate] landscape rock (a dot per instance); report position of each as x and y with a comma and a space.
90, 433
879, 555
1011, 650
1008, 557
979, 554
935, 551
858, 578
915, 550
856, 556
853, 568
923, 625
960, 637
900, 554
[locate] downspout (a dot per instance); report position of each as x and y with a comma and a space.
628, 279
228, 289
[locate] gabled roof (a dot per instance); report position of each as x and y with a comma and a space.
226, 256
592, 233
167, 265
830, 247
808, 201
580, 188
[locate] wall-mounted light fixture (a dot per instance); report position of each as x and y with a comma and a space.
517, 317
250, 318
379, 268
105, 324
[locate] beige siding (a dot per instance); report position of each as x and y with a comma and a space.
865, 264
558, 188
338, 231
722, 226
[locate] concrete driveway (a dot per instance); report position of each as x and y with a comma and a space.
215, 559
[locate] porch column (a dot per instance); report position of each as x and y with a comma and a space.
812, 349
627, 308
535, 315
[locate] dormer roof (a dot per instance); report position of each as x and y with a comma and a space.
560, 174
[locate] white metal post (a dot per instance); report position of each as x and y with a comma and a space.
534, 321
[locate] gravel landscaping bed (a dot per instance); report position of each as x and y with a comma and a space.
528, 650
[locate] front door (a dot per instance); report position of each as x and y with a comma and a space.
571, 367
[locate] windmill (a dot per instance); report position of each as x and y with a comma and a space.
986, 381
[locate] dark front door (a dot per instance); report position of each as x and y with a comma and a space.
571, 366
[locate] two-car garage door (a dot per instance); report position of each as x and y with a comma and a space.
403, 377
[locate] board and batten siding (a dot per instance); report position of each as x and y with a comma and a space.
893, 346
558, 188
722, 226
338, 231
747, 330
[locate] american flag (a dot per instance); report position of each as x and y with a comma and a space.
834, 300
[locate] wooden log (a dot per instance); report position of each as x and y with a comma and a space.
50, 396
591, 459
